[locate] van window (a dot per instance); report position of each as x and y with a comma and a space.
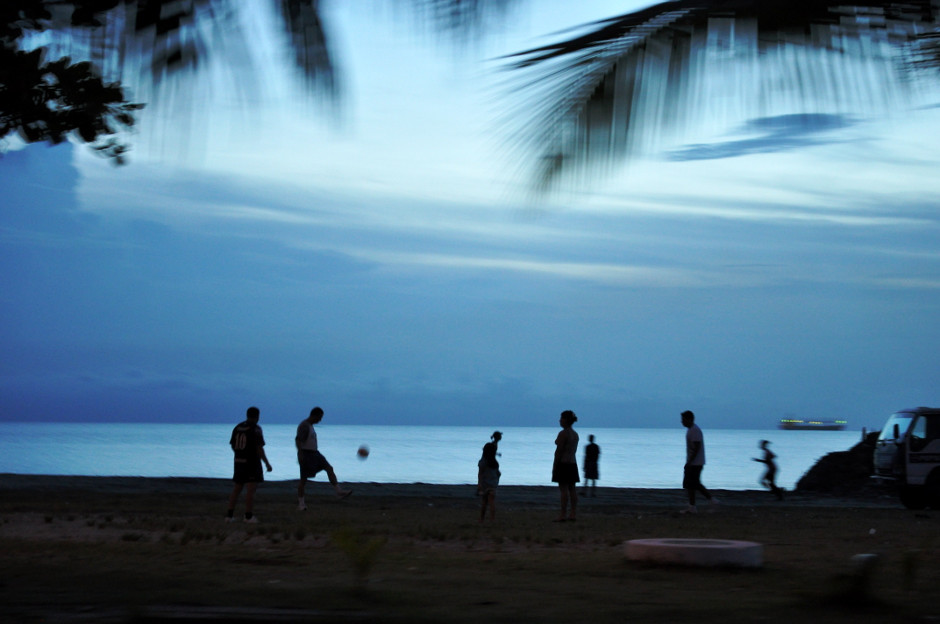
902, 420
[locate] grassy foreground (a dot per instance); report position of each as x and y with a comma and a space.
156, 550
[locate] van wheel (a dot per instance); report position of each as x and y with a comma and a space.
913, 497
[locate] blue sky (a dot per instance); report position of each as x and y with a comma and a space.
385, 263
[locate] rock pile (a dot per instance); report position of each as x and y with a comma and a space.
843, 471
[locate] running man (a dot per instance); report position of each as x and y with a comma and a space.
769, 480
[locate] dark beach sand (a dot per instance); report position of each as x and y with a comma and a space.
520, 495
126, 549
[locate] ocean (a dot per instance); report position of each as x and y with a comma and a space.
638, 458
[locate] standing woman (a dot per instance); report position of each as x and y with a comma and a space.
488, 476
565, 466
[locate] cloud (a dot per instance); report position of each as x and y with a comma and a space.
774, 134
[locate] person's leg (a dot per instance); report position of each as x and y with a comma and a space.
688, 484
233, 499
563, 491
573, 500
302, 462
331, 475
250, 499
492, 497
301, 487
701, 488
772, 478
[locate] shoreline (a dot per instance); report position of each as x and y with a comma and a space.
270, 492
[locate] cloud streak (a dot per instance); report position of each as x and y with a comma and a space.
774, 134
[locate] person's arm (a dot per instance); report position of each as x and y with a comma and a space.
693, 450
264, 457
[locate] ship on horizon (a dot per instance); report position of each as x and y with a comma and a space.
799, 424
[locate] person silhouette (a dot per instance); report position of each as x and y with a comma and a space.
310, 458
488, 476
247, 442
768, 480
694, 462
592, 454
565, 466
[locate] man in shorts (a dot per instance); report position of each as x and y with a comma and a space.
311, 460
694, 462
247, 442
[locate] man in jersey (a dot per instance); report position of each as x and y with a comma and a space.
694, 462
310, 459
247, 442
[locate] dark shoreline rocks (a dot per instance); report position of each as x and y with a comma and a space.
844, 472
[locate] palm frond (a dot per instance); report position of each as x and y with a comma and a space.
149, 41
309, 43
623, 85
464, 19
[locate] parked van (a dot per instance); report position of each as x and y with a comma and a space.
907, 456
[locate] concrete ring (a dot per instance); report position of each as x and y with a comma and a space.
696, 552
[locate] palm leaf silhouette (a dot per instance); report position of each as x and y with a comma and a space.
622, 86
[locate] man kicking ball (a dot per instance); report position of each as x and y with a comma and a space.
310, 459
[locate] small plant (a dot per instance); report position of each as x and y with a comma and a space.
361, 550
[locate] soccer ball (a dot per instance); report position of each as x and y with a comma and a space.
363, 452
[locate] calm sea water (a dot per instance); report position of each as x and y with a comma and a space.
642, 458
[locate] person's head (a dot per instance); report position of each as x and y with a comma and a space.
567, 418
688, 418
497, 436
591, 438
764, 443
316, 415
253, 414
